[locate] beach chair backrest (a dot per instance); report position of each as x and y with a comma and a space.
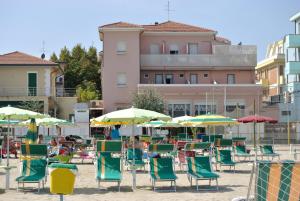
278, 181
161, 166
161, 148
197, 145
267, 149
108, 167
109, 145
239, 139
241, 149
36, 168
138, 153
38, 150
225, 155
223, 142
199, 164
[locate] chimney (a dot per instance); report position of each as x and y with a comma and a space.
156, 23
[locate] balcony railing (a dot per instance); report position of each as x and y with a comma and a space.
65, 92
223, 56
18, 91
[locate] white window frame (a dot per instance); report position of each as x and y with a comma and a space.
174, 47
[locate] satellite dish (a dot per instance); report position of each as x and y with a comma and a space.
43, 56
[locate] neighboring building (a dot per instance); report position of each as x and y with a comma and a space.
270, 73
290, 110
25, 79
194, 70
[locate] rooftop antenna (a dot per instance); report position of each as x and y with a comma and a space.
43, 50
168, 9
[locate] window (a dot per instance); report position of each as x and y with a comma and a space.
122, 79
192, 48
181, 75
230, 79
286, 113
205, 75
121, 47
194, 79
158, 79
235, 110
177, 110
169, 79
154, 49
281, 70
32, 83
205, 109
146, 76
174, 49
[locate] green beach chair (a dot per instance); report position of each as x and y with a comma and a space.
223, 158
199, 168
161, 169
33, 171
241, 151
156, 139
268, 151
138, 158
108, 169
277, 181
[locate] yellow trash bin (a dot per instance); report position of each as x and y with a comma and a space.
62, 178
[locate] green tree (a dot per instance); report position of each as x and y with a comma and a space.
87, 91
53, 57
81, 70
149, 100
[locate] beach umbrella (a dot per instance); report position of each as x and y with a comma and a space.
4, 123
256, 119
131, 116
32, 135
49, 121
160, 123
12, 113
209, 120
180, 119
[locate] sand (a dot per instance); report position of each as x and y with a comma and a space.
231, 185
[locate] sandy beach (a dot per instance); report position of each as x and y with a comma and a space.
231, 185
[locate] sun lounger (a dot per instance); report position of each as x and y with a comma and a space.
223, 158
33, 171
241, 151
268, 151
108, 169
138, 157
199, 168
161, 169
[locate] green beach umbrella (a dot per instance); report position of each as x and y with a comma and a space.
159, 123
32, 135
49, 121
5, 123
209, 120
12, 113
130, 116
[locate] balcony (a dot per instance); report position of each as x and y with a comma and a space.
292, 67
292, 41
28, 92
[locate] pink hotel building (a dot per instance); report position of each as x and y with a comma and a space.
193, 69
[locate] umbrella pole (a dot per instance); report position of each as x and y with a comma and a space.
133, 161
254, 140
7, 156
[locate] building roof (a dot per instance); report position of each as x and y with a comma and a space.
121, 25
295, 17
20, 58
170, 26
223, 40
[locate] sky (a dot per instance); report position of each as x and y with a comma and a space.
24, 25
